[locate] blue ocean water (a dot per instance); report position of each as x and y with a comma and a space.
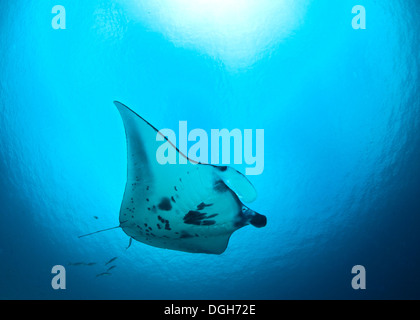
340, 110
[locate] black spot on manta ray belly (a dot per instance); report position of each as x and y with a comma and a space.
167, 226
165, 204
166, 222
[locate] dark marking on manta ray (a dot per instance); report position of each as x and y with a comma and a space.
165, 204
202, 205
175, 188
185, 235
208, 222
167, 226
199, 218
220, 186
194, 217
166, 222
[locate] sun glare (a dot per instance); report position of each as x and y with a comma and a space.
236, 32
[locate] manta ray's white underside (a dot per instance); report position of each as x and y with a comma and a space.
187, 207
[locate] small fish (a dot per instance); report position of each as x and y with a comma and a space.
103, 274
95, 217
110, 268
91, 264
76, 263
112, 260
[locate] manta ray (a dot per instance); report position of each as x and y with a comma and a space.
192, 207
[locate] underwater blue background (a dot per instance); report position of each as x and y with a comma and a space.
340, 110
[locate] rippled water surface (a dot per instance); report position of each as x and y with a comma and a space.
340, 110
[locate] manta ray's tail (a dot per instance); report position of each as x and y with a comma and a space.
89, 234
